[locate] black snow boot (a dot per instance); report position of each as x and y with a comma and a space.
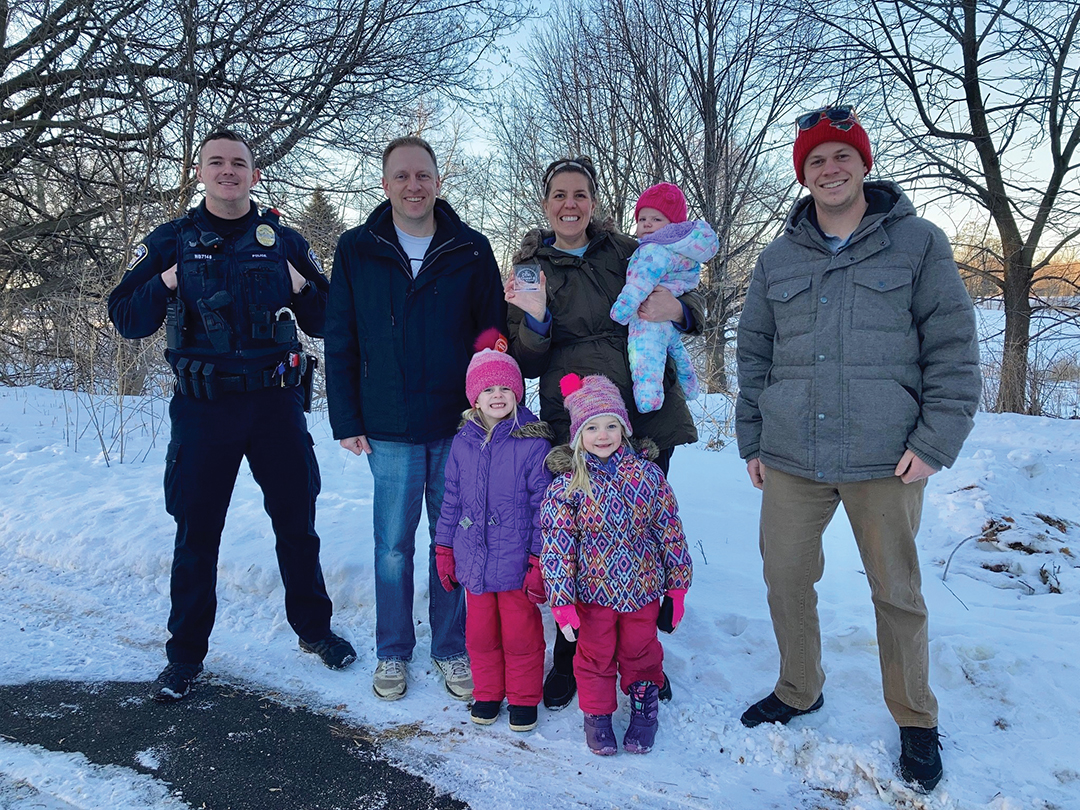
920, 757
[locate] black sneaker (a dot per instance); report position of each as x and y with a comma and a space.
175, 681
559, 689
665, 690
484, 712
522, 718
773, 710
334, 651
920, 762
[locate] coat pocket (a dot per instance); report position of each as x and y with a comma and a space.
879, 416
792, 305
785, 421
173, 491
882, 300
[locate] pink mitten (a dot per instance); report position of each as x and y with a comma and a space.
567, 619
534, 582
678, 596
444, 562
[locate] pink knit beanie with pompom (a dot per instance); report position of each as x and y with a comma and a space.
591, 397
491, 366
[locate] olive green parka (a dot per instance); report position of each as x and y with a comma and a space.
584, 340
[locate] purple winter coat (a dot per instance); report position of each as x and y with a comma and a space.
490, 513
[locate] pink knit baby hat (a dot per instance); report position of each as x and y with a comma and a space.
491, 365
667, 198
590, 397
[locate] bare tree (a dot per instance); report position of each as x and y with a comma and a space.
978, 255
716, 77
575, 88
687, 92
984, 97
103, 101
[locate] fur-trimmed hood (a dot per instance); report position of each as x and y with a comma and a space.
561, 459
538, 237
530, 430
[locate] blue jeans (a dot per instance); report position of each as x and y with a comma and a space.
405, 476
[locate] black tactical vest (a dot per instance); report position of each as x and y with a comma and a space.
233, 294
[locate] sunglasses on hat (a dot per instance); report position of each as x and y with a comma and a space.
843, 117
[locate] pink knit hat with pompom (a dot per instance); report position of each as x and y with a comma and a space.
589, 398
491, 365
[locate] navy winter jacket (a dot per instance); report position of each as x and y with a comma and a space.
491, 510
397, 347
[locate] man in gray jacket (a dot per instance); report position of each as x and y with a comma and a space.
858, 380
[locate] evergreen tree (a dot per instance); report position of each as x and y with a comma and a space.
321, 225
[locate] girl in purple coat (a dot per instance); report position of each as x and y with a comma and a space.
488, 535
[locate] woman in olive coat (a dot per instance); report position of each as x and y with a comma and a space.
564, 327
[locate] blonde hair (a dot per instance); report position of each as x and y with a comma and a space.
579, 475
473, 415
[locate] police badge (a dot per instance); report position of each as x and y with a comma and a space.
265, 235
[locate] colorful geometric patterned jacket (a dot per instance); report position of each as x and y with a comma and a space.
623, 547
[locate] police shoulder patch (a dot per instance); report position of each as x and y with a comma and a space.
138, 253
314, 259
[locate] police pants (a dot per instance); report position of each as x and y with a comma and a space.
208, 441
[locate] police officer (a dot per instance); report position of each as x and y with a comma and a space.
232, 285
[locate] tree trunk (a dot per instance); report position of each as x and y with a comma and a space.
130, 368
716, 378
1012, 391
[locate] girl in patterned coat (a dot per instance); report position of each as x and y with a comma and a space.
613, 548
488, 535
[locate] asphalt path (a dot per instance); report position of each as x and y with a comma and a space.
221, 748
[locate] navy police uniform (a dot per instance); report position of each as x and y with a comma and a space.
241, 378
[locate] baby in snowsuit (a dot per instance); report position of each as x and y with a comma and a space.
669, 255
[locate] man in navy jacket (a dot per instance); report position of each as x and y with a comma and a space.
411, 290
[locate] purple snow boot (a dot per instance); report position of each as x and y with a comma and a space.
600, 735
644, 702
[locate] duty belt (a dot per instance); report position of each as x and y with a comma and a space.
201, 380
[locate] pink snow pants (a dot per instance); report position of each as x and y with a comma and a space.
610, 642
504, 634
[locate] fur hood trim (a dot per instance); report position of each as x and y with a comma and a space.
535, 429
538, 237
560, 459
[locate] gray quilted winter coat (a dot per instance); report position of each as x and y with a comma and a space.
848, 359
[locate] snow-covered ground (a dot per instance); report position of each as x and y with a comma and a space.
85, 548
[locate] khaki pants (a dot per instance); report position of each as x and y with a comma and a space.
884, 515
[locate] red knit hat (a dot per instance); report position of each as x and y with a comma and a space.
590, 397
491, 365
827, 129
667, 198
